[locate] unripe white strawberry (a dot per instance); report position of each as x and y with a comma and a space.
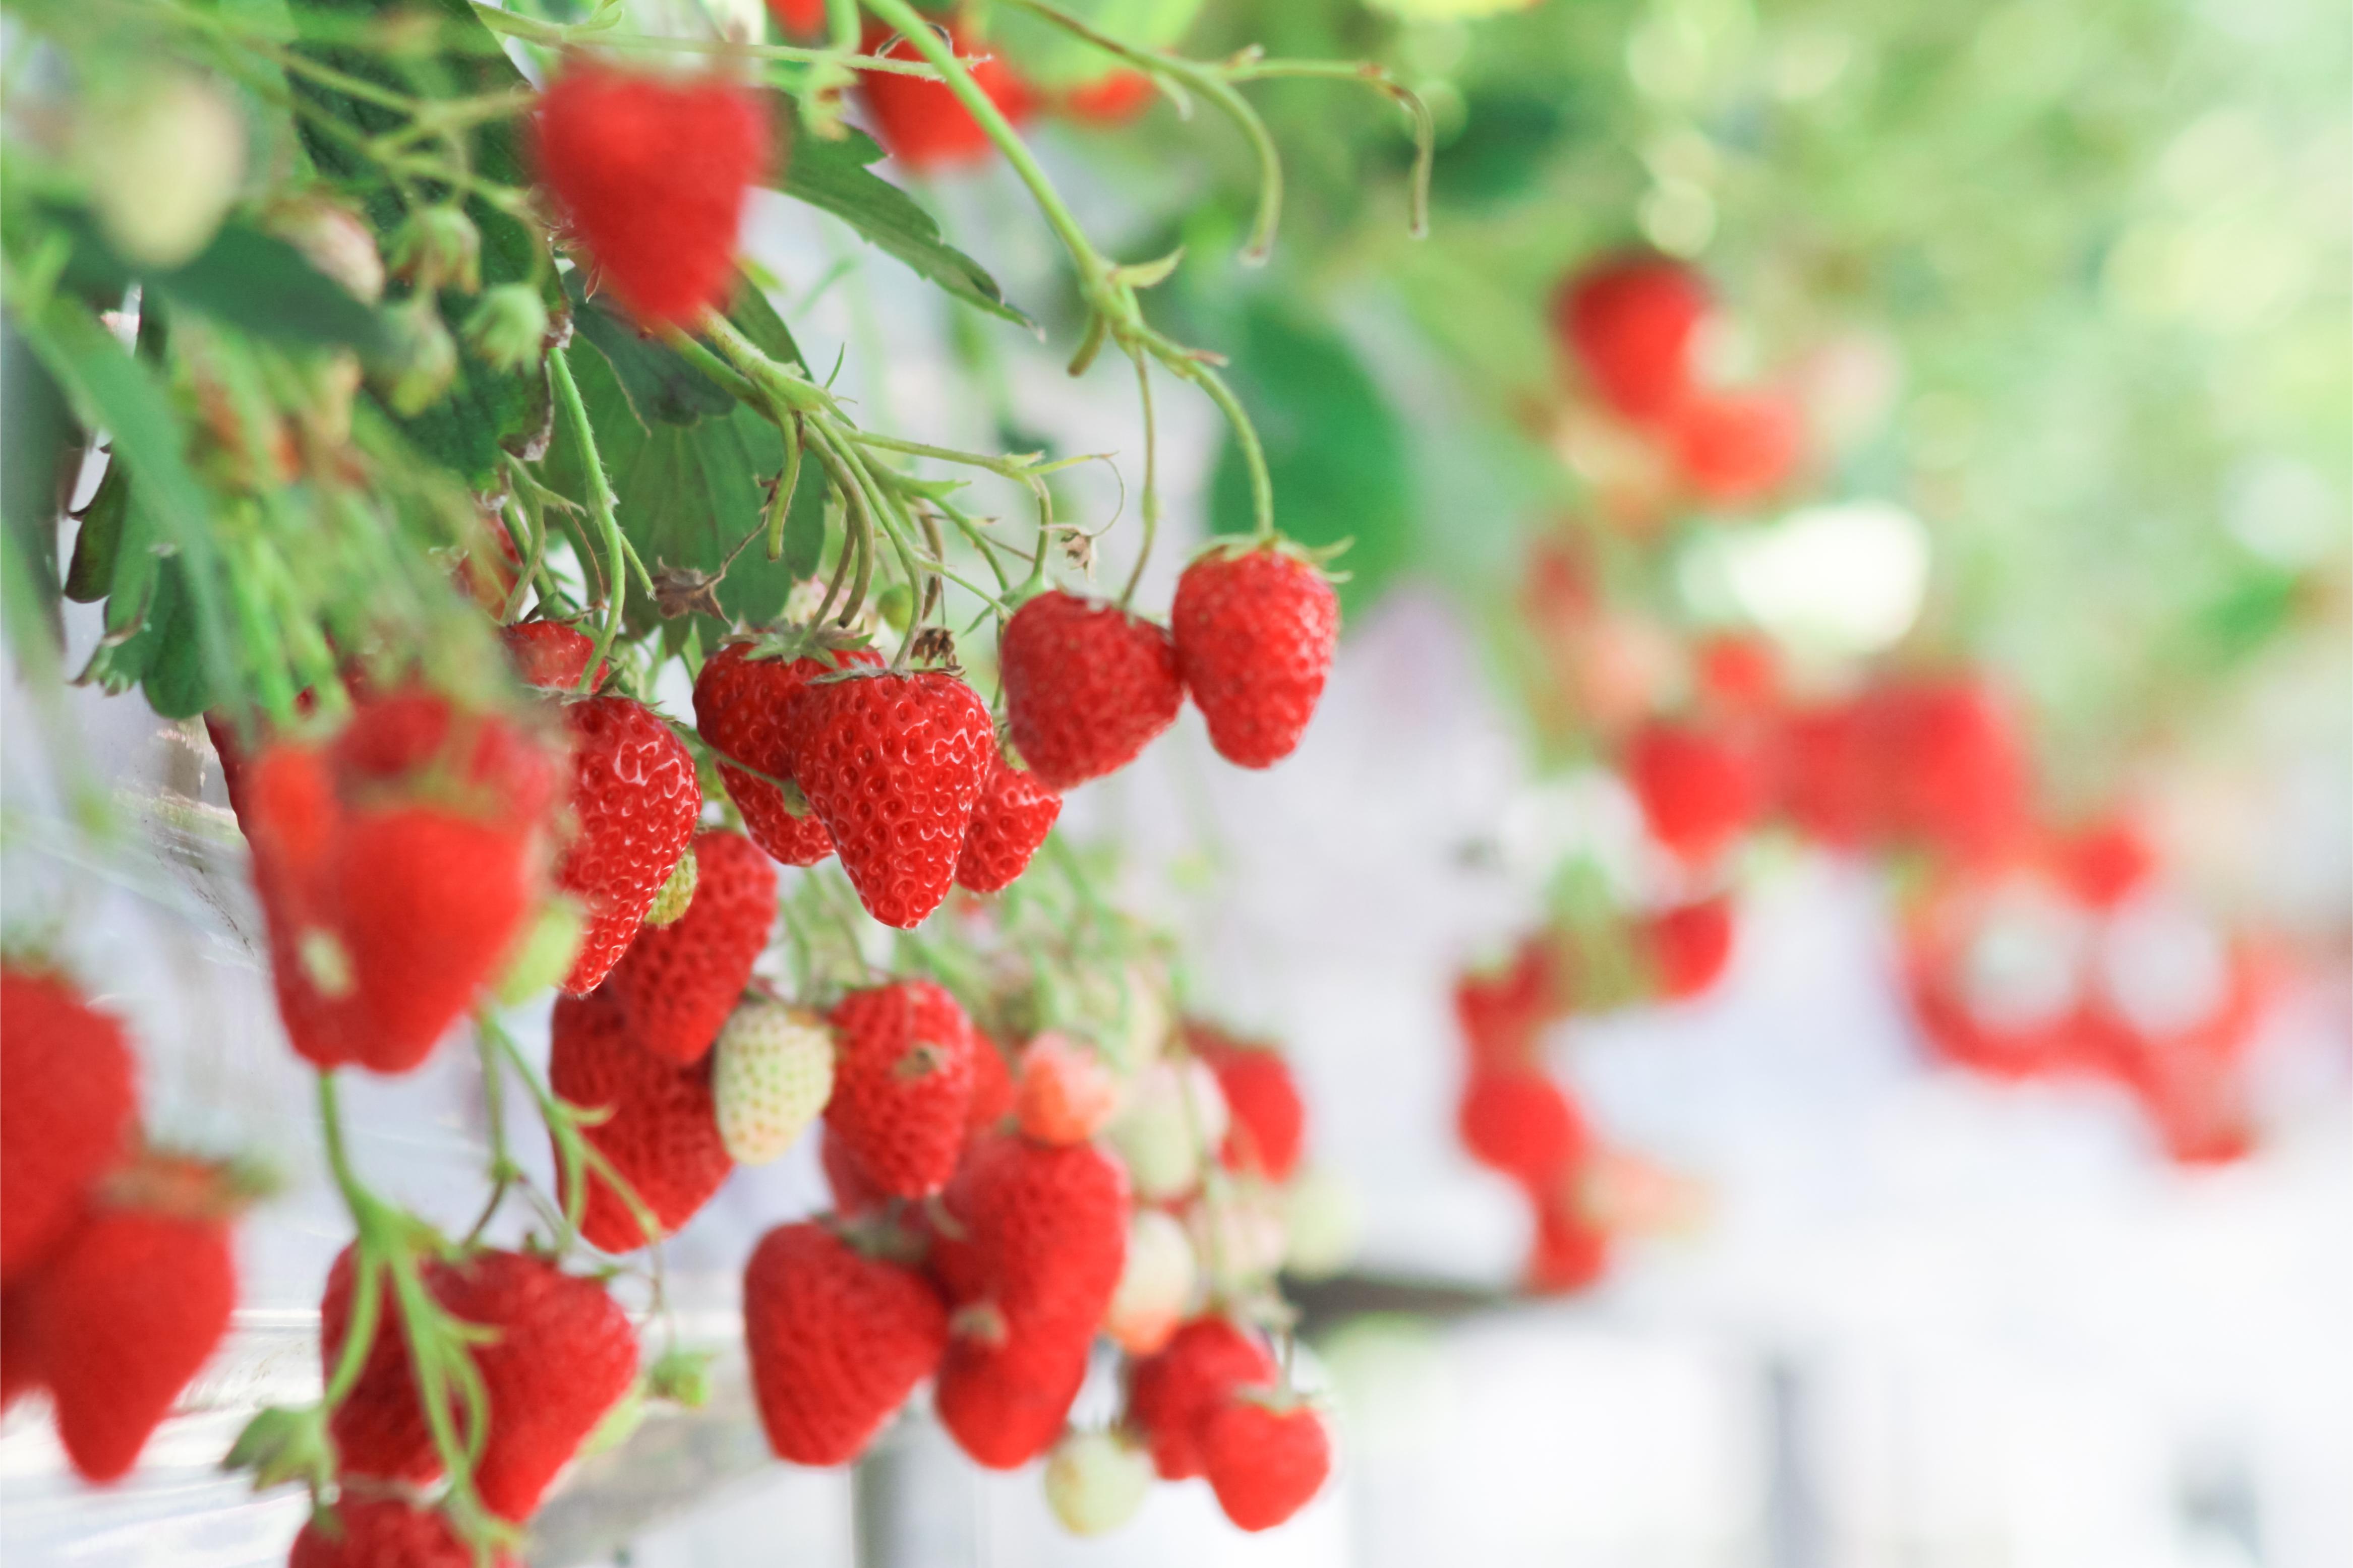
771, 1074
1240, 1238
1095, 1482
1176, 1114
1156, 1284
1321, 1224
164, 154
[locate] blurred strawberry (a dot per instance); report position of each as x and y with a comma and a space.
838, 1340
1689, 945
921, 123
1172, 1395
69, 1108
1266, 1458
902, 1084
1737, 447
661, 1131
1698, 790
1522, 1124
1633, 322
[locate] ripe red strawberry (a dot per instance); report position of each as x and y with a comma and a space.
739, 710
635, 801
1738, 674
1112, 99
920, 123
1266, 1458
20, 1369
551, 655
2105, 862
1632, 322
854, 1192
678, 983
651, 174
68, 1105
1006, 1403
1521, 1124
799, 19
662, 1136
992, 1086
384, 1532
1697, 790
1268, 1122
1254, 626
1044, 1234
1947, 766
1825, 775
397, 866
838, 1341
1087, 686
131, 1307
1502, 1013
1011, 818
1689, 945
1569, 1251
1172, 1395
902, 1084
893, 766
561, 1354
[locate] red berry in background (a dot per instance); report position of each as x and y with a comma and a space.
893, 766
678, 983
2103, 863
1172, 1395
397, 866
384, 1532
549, 653
992, 1086
130, 1306
902, 1084
1689, 946
854, 1192
1824, 773
1067, 1094
20, 1369
1739, 674
1946, 767
1044, 1234
1569, 1252
739, 710
662, 1135
799, 19
1698, 791
68, 1105
1087, 686
1631, 323
1006, 1403
920, 123
490, 568
651, 174
1502, 1013
1267, 1121
1011, 818
1522, 1124
634, 802
1113, 98
1738, 447
1265, 1460
837, 1339
1255, 627
559, 1355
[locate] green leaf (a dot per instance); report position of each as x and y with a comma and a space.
97, 546
37, 431
245, 277
661, 385
832, 176
756, 317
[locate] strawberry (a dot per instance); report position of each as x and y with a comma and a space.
1698, 791
740, 700
1044, 1234
1254, 626
130, 1306
854, 1192
1095, 1482
992, 1087
1738, 674
1689, 945
651, 174
1011, 818
1171, 1396
67, 1110
635, 799
893, 764
799, 19
2105, 862
1322, 1222
557, 1355
1824, 774
902, 1084
384, 1532
1087, 686
1175, 1111
1268, 1121
1520, 1124
1569, 1251
661, 1135
551, 655
20, 1369
1632, 322
398, 868
1947, 766
1155, 1282
838, 1340
920, 123
678, 983
1065, 1091
1500, 1013
1006, 1403
1112, 99
771, 1072
1736, 448
1265, 1458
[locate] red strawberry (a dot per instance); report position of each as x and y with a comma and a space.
1004, 1404
1698, 791
838, 1341
68, 1104
2105, 862
893, 764
651, 174
799, 19
662, 1136
397, 866
678, 983
560, 1354
1265, 1460
634, 797
1738, 447
1689, 946
549, 654
854, 1192
1254, 627
1268, 1121
1632, 322
902, 1084
739, 710
1113, 98
1824, 773
1044, 1234
384, 1532
20, 1369
1739, 674
1011, 818
1522, 1124
992, 1086
131, 1307
488, 569
1502, 1013
1569, 1251
1087, 686
920, 123
1947, 766
1172, 1395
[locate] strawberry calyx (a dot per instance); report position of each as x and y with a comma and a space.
1227, 547
787, 640
182, 1186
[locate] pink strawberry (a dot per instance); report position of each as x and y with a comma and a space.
838, 1340
1265, 1457
893, 764
902, 1084
678, 983
1087, 686
740, 700
1255, 626
68, 1104
1172, 1395
384, 1532
662, 1135
1067, 1092
634, 800
1011, 818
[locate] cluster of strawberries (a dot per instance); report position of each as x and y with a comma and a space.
117, 1270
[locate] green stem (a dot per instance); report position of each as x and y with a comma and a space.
1151, 480
600, 507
